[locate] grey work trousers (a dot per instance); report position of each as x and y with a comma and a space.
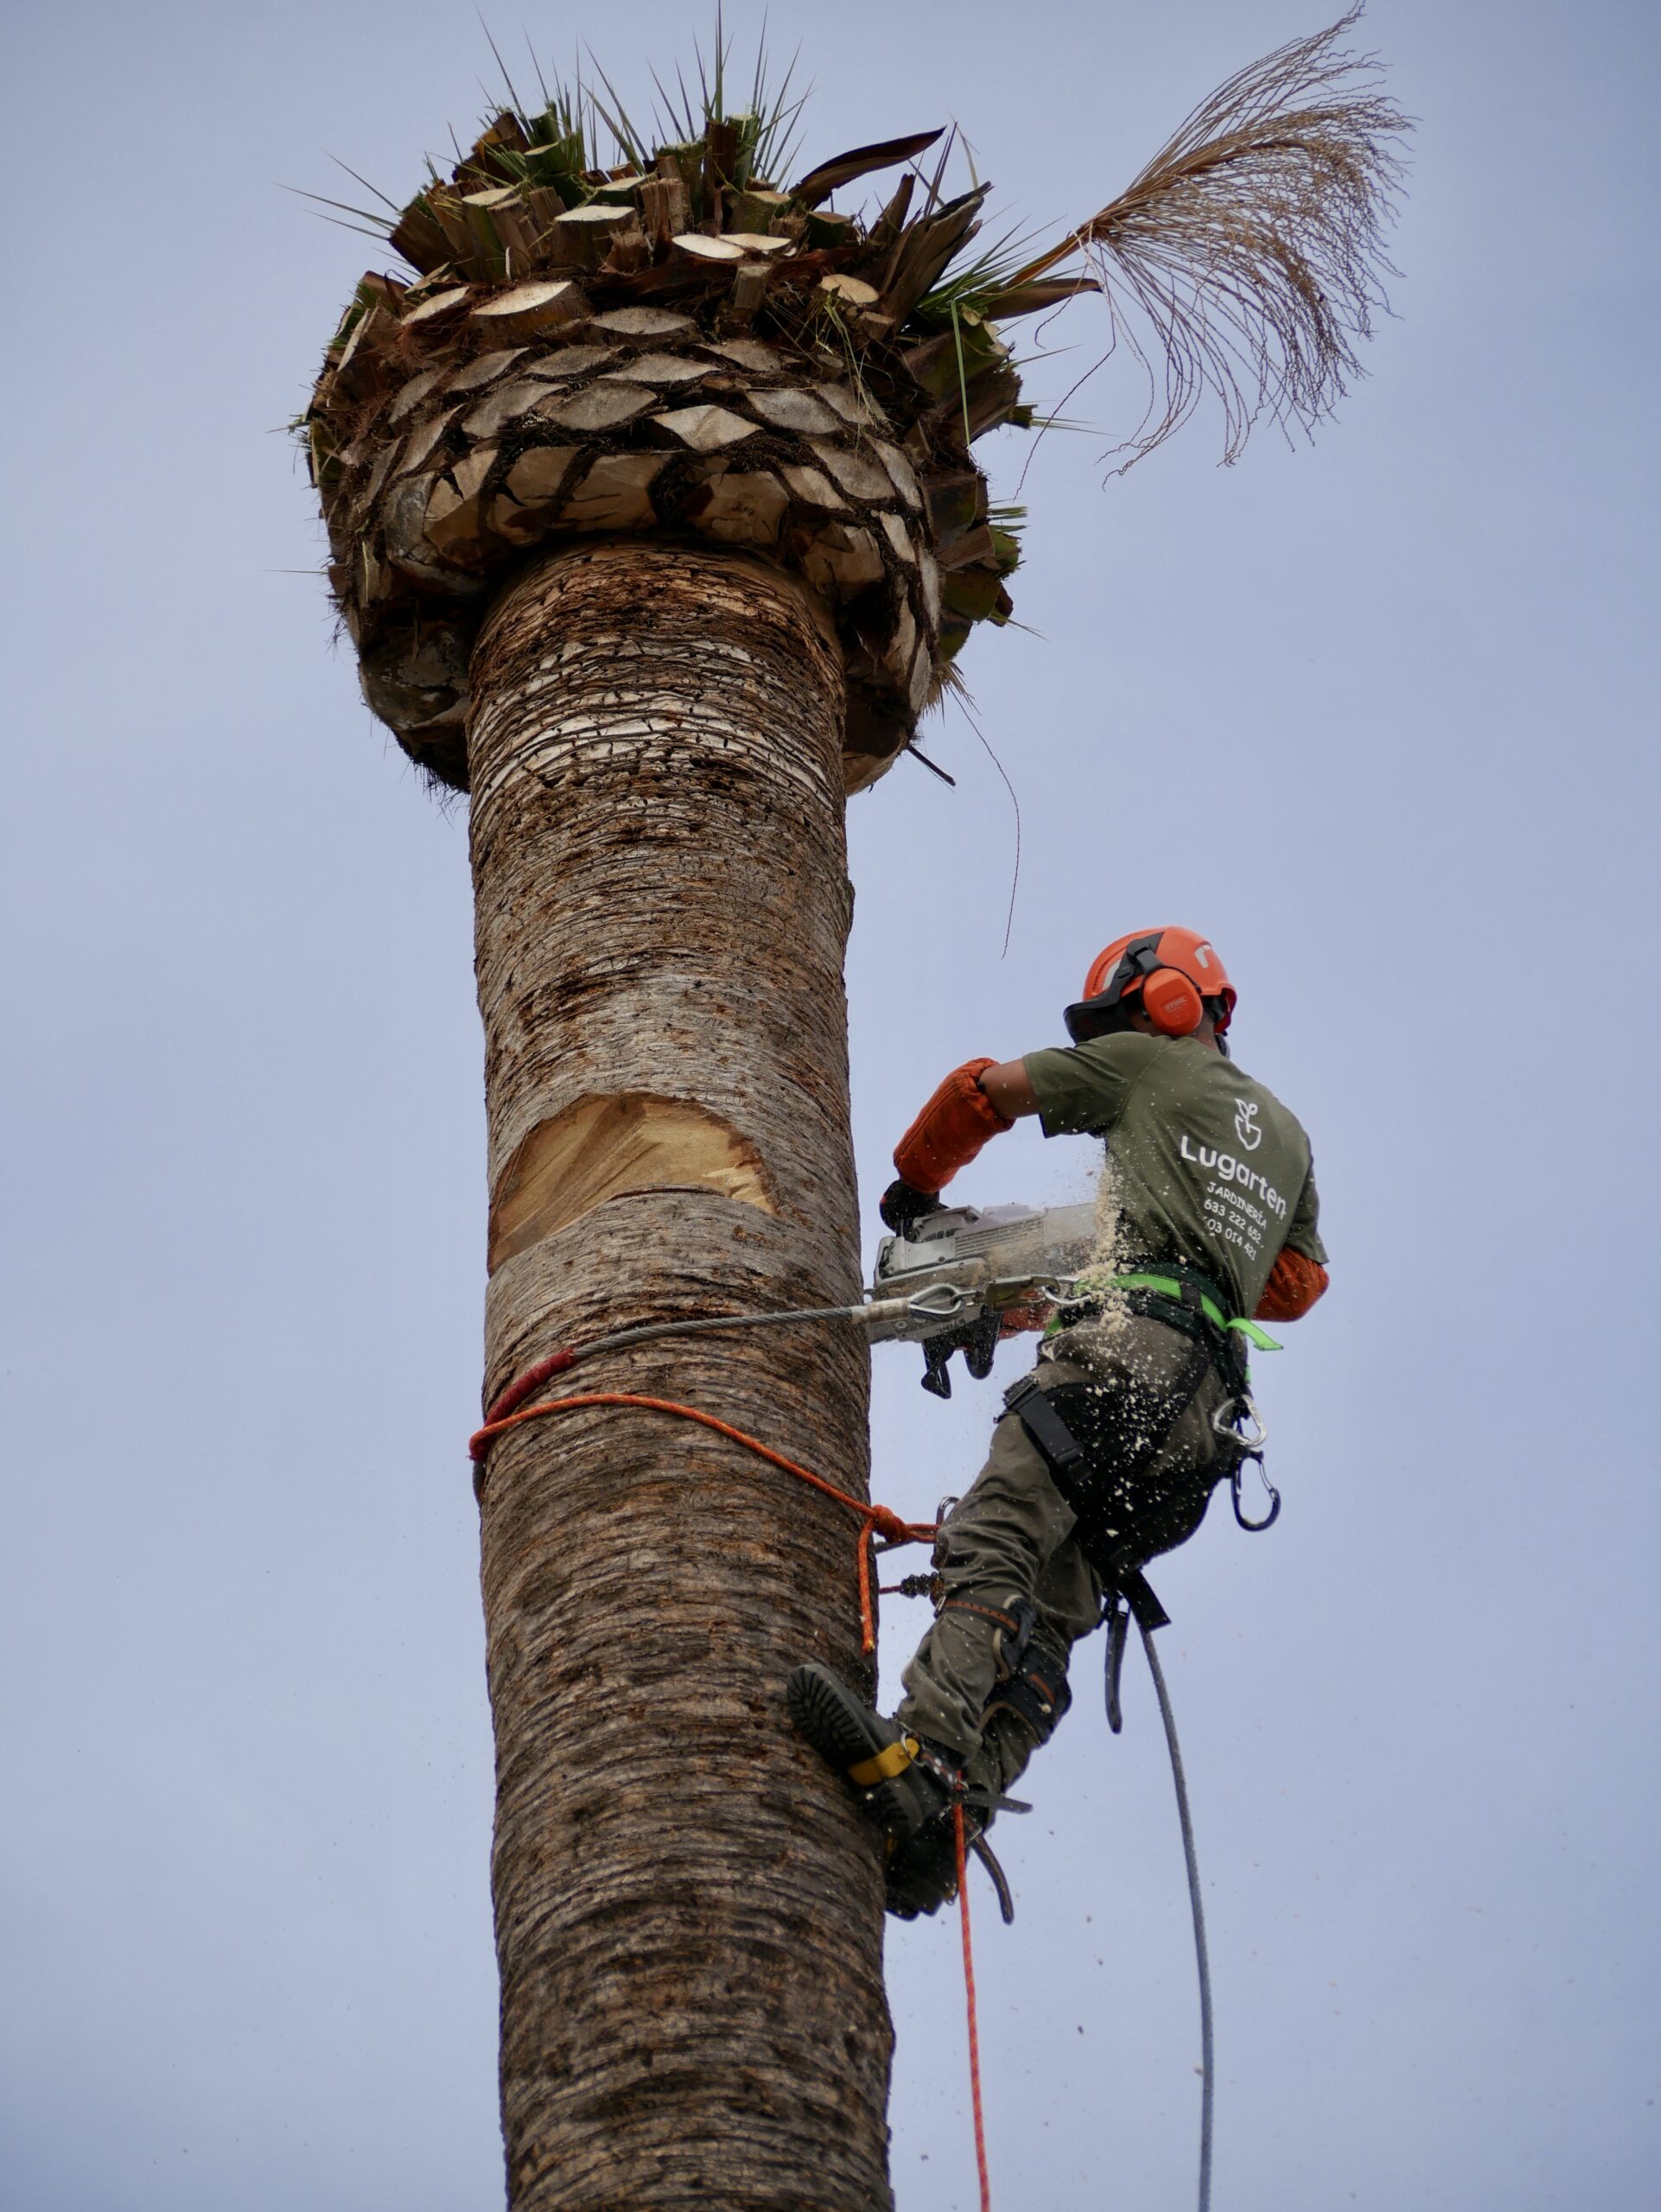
1011, 1536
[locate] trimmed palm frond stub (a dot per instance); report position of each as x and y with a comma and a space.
678, 346
1252, 243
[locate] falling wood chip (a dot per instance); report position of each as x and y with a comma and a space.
802, 411
613, 493
529, 309
601, 407
705, 430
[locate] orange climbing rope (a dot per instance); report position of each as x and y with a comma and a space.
874, 1520
969, 2000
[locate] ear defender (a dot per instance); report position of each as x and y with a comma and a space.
1171, 1003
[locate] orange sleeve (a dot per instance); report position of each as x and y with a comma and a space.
1293, 1285
949, 1130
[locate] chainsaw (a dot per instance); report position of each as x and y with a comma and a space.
949, 1284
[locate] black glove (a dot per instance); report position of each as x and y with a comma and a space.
902, 1208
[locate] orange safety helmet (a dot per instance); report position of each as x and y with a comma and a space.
1175, 972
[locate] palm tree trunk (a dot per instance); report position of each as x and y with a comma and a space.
689, 1917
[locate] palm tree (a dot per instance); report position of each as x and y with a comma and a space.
655, 518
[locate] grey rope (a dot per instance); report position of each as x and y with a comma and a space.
1202, 1957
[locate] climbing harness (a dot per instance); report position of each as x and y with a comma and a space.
1099, 1441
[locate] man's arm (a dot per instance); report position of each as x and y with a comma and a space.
1010, 1089
1294, 1283
976, 1101
1299, 1275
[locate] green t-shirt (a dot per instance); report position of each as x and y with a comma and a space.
1208, 1165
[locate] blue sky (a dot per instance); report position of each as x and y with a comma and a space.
1378, 714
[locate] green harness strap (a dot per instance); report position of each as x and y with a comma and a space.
1168, 1287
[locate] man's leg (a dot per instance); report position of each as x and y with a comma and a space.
1025, 1707
1002, 1554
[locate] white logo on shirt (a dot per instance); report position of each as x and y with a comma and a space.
1245, 1123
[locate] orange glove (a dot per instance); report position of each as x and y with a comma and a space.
949, 1130
1293, 1285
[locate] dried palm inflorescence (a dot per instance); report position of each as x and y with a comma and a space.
676, 345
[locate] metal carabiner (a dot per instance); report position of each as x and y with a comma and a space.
1227, 1419
1254, 1528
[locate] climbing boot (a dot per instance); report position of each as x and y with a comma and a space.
906, 1786
922, 1875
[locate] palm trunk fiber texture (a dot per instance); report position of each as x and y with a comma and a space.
689, 1914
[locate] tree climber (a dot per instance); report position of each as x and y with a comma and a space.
1109, 1453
